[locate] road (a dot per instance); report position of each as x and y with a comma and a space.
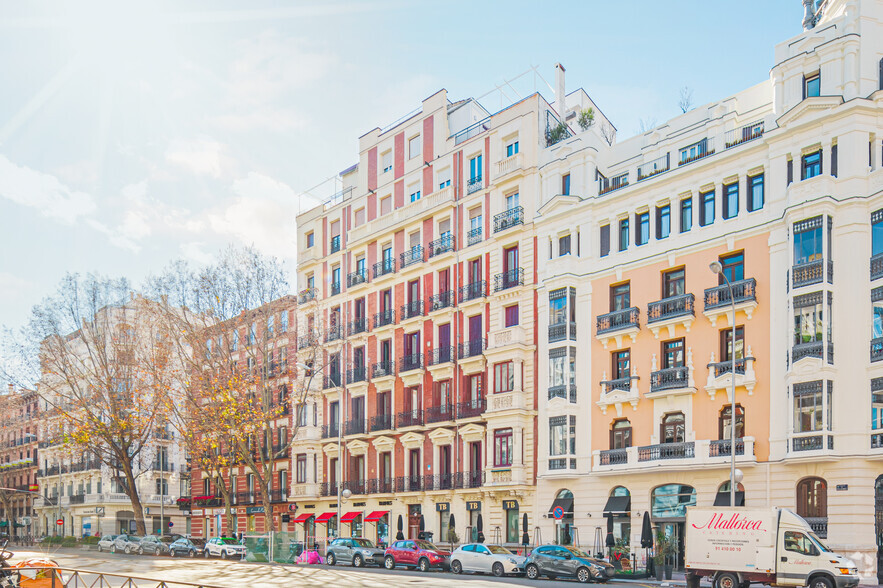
253, 575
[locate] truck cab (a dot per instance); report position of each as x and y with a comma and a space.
805, 560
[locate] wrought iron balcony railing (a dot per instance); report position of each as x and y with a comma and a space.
381, 422
384, 318
614, 456
355, 426
356, 374
441, 413
743, 291
412, 309
509, 279
443, 244
669, 378
471, 408
413, 256
409, 418
333, 333
474, 185
335, 244
473, 291
719, 448
813, 272
307, 295
472, 348
473, 236
672, 307
356, 326
382, 369
508, 219
618, 320
384, 267
411, 362
441, 300
357, 277
667, 451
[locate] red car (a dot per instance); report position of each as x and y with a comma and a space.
419, 554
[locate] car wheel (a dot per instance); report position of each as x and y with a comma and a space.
498, 570
423, 564
156, 553
332, 561
140, 551
532, 571
171, 553
206, 554
389, 563
127, 550
728, 580
583, 575
358, 561
456, 566
99, 549
821, 582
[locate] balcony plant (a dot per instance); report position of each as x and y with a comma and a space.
557, 133
586, 118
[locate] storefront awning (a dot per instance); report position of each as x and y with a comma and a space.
723, 498
303, 517
325, 517
566, 505
618, 505
350, 517
376, 516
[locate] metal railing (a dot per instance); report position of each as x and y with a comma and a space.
379, 485
330, 431
876, 349
380, 422
474, 184
624, 383
357, 277
811, 443
441, 355
441, 300
333, 333
75, 578
409, 418
472, 348
335, 288
508, 219
472, 131
618, 319
412, 256
510, 279
808, 349
306, 341
384, 317
412, 483
725, 367
743, 291
473, 291
812, 272
386, 266
657, 166
357, 374
669, 378
354, 427
696, 151
441, 245
382, 369
614, 456
562, 331
356, 326
667, 451
672, 307
607, 185
440, 413
473, 236
877, 266
335, 244
412, 309
721, 447
743, 135
307, 295
471, 408
411, 362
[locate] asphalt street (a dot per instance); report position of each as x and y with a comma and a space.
253, 575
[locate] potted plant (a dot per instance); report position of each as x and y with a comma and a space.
586, 118
659, 554
671, 552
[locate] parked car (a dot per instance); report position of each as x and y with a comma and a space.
488, 559
105, 542
565, 560
416, 553
223, 547
354, 550
190, 547
126, 543
155, 545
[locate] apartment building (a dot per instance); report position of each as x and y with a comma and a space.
257, 345
782, 185
419, 281
19, 417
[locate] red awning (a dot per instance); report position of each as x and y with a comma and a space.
350, 517
325, 517
376, 516
303, 517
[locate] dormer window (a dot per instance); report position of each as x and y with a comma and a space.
812, 85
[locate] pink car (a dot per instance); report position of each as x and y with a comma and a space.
416, 553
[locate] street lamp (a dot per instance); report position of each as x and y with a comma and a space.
718, 269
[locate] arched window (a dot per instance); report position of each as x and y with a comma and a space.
724, 419
564, 494
621, 434
725, 487
671, 501
812, 498
673, 428
620, 491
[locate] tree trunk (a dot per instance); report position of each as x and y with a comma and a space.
228, 506
270, 524
132, 492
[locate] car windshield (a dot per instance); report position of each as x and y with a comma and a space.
499, 550
135, 538
363, 543
577, 552
168, 539
198, 542
426, 545
229, 541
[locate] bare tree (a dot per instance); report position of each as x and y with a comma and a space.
608, 133
647, 124
685, 102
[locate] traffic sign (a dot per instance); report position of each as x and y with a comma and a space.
558, 512
171, 524
59, 522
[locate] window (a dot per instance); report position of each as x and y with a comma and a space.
621, 434
671, 501
565, 184
444, 178
504, 377
620, 297
811, 165
755, 193
799, 543
252, 334
808, 318
502, 448
413, 147
283, 321
808, 240
726, 343
674, 282
877, 232
311, 239
623, 234
686, 214
809, 413
562, 435
511, 315
663, 221
733, 268
386, 205
731, 200
621, 361
834, 160
415, 193
673, 354
301, 469
605, 240
475, 169
359, 217
812, 86
724, 421
386, 161
564, 245
812, 498
512, 149
512, 201
642, 235
706, 213
673, 428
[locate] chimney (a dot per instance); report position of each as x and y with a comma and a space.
559, 91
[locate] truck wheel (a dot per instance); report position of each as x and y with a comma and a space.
728, 580
821, 582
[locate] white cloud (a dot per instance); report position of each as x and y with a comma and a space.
29, 187
265, 120
117, 237
202, 156
194, 252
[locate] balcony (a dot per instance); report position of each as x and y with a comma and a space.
813, 349
625, 383
722, 447
614, 457
812, 443
441, 355
357, 277
877, 266
379, 486
473, 236
385, 267
472, 348
617, 324
675, 456
720, 375
355, 427
473, 185
652, 168
506, 166
510, 279
380, 422
562, 332
306, 341
384, 318
666, 451
383, 369
441, 300
357, 326
618, 392
819, 526
564, 392
670, 312
411, 362
335, 244
743, 135
412, 309
78, 499
473, 291
356, 374
508, 219
413, 483
245, 498
443, 244
278, 495
355, 486
306, 295
670, 379
411, 257
335, 289
333, 333
330, 431
876, 349
696, 151
328, 489
606, 185
409, 418
440, 414
717, 299
813, 272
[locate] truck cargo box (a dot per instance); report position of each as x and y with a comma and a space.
735, 540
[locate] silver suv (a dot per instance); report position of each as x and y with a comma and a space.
354, 550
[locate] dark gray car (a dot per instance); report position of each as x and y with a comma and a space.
567, 561
354, 550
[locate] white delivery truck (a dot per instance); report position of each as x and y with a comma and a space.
737, 546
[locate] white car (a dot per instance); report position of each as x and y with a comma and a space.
223, 547
487, 559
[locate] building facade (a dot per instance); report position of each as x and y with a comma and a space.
782, 185
19, 423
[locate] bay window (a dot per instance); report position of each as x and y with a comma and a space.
502, 448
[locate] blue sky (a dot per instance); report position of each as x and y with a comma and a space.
130, 136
